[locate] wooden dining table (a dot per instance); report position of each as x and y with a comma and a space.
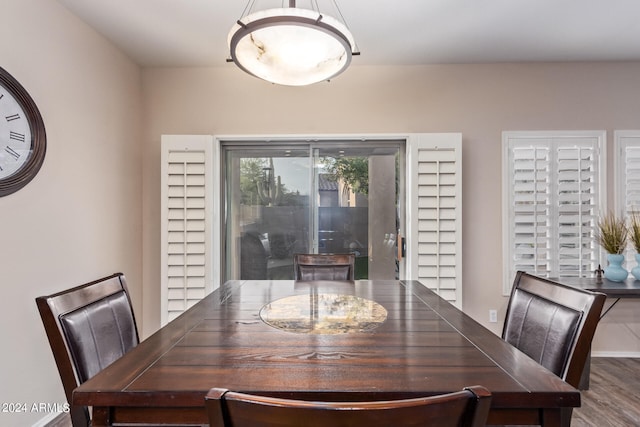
321, 340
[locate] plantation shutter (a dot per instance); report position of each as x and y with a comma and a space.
434, 168
552, 197
627, 180
186, 217
627, 167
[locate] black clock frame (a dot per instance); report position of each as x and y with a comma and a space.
29, 170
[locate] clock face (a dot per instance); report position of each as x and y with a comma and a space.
15, 135
23, 139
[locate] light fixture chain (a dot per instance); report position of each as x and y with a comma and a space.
344, 21
247, 8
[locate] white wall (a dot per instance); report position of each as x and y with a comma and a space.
480, 101
80, 218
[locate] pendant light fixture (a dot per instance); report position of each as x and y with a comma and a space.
291, 46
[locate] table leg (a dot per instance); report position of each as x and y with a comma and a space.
553, 418
609, 308
586, 373
559, 417
100, 417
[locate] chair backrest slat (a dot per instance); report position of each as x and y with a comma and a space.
324, 266
466, 408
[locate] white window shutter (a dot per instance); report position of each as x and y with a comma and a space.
627, 166
552, 195
627, 179
434, 229
579, 200
530, 228
186, 216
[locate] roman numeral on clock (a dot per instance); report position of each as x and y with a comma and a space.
16, 136
12, 117
13, 153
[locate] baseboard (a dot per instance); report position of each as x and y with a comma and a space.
629, 354
51, 419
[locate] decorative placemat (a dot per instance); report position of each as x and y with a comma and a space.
323, 314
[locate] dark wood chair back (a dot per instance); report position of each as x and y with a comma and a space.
553, 324
466, 408
324, 266
88, 327
253, 257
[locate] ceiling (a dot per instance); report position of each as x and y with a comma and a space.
193, 33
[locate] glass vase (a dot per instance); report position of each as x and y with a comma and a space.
614, 271
635, 271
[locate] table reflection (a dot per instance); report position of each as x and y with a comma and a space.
324, 314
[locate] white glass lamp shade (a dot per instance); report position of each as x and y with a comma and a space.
291, 46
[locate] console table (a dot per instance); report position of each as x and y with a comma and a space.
630, 288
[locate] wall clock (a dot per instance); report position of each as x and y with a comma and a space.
23, 139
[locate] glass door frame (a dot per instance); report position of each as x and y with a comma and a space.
313, 144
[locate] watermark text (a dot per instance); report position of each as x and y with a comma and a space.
42, 407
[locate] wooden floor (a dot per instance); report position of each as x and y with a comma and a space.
611, 400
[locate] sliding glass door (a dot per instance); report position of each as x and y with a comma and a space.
283, 198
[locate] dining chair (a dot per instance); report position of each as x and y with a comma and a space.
253, 257
324, 266
552, 323
88, 327
465, 408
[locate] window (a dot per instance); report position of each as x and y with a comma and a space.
627, 178
552, 197
287, 197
